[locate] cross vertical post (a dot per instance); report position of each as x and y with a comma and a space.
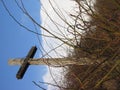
25, 63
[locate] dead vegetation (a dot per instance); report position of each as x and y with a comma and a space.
100, 40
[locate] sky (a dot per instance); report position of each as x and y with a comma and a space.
16, 43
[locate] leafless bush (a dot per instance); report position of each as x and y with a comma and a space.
99, 41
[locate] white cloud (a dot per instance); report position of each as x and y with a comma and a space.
57, 75
66, 7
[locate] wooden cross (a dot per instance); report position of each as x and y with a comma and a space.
45, 61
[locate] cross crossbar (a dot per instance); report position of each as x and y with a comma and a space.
25, 63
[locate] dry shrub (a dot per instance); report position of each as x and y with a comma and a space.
100, 41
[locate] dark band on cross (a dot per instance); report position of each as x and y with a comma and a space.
25, 64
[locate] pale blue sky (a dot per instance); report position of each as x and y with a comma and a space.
15, 43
